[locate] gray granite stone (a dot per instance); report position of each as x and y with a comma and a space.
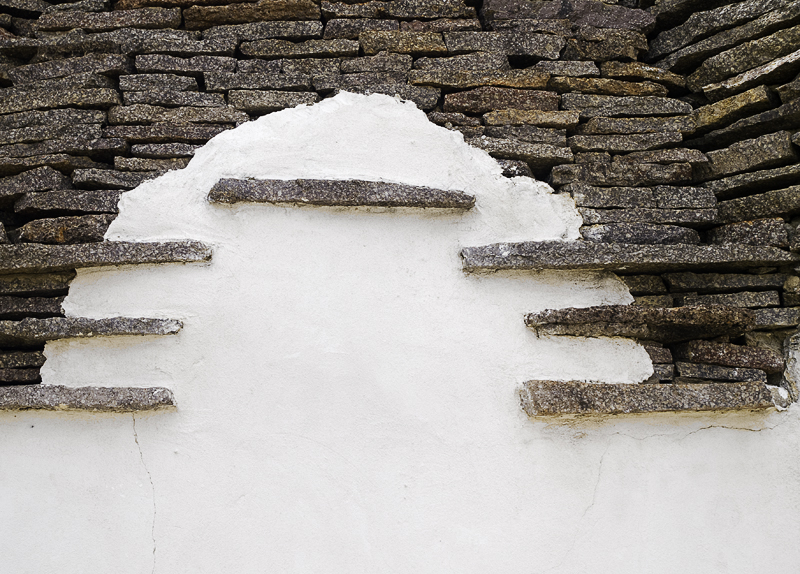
20, 100
780, 203
639, 233
619, 257
357, 81
728, 110
749, 299
81, 6
65, 230
624, 143
544, 46
577, 69
414, 43
530, 134
254, 101
164, 150
555, 26
661, 374
40, 179
349, 28
540, 118
636, 72
664, 325
36, 331
672, 197
645, 285
771, 231
768, 319
486, 99
615, 174
441, 25
92, 399
606, 86
37, 284
275, 49
381, 62
603, 45
453, 119
549, 398
285, 30
425, 97
526, 79
109, 178
515, 168
38, 307
399, 9
85, 81
618, 106
196, 65
62, 162
471, 132
688, 217
719, 373
104, 21
33, 258
769, 150
202, 17
113, 64
601, 125
757, 181
100, 147
777, 71
663, 156
716, 282
597, 14
170, 98
21, 359
729, 355
476, 61
67, 116
536, 155
166, 133
72, 201
147, 114
141, 164
350, 193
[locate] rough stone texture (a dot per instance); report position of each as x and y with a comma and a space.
147, 114
399, 9
109, 178
40, 179
515, 168
173, 99
274, 49
201, 17
636, 72
100, 201
554, 26
715, 282
719, 373
620, 257
536, 155
114, 64
776, 71
453, 119
426, 98
640, 233
780, 203
286, 30
741, 299
61, 162
220, 46
616, 106
164, 150
611, 175
546, 46
441, 25
777, 318
727, 111
165, 132
164, 64
21, 307
36, 331
73, 229
100, 147
688, 217
40, 284
337, 193
784, 117
51, 118
770, 231
223, 81
624, 143
21, 359
105, 21
754, 182
269, 101
471, 79
606, 86
757, 153
663, 156
602, 45
644, 284
486, 99
88, 80
477, 61
94, 399
665, 325
658, 355
544, 119
19, 377
790, 91
729, 355
597, 14
527, 133
42, 133
549, 398
414, 43
575, 69
20, 100
381, 62
349, 29
33, 258
601, 125
147, 164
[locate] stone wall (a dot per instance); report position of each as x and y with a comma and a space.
671, 124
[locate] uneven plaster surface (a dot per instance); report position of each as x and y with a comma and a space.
347, 396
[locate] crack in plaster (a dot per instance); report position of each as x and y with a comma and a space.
152, 488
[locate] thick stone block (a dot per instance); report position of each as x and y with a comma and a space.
92, 399
727, 111
104, 21
728, 355
485, 99
201, 17
757, 181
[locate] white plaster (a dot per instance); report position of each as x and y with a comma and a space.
347, 395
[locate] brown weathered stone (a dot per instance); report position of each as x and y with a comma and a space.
659, 355
603, 45
165, 132
19, 100
548, 398
147, 114
600, 125
619, 257
485, 99
719, 373
757, 232
104, 21
381, 62
780, 203
476, 61
100, 201
349, 29
729, 355
201, 17
624, 143
789, 92
715, 282
774, 72
727, 111
544, 119
113, 64
39, 307
337, 193
536, 155
606, 86
441, 25
21, 359
100, 399
545, 46
575, 69
471, 79
618, 106
777, 318
665, 325
269, 101
63, 230
139, 164
163, 64
689, 217
274, 49
636, 71
639, 233
645, 285
414, 43
615, 174
742, 299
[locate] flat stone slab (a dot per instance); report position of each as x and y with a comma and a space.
34, 258
31, 331
721, 283
729, 355
345, 193
536, 255
96, 399
549, 398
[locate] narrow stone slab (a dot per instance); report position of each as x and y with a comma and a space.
752, 300
98, 201
770, 231
349, 28
113, 64
462, 79
41, 284
476, 62
165, 133
603, 45
286, 30
22, 307
19, 100
757, 181
19, 377
543, 119
610, 126
21, 359
621, 256
536, 155
224, 81
780, 203
68, 116
769, 150
255, 101
94, 399
636, 71
720, 283
623, 106
164, 64
719, 373
201, 17
361, 80
346, 193
169, 98
624, 143
274, 49
413, 43
64, 230
621, 174
636, 232
33, 258
36, 331
486, 99
104, 21
547, 46
729, 355
550, 398
528, 133
662, 324
767, 319
40, 179
109, 178
147, 114
606, 86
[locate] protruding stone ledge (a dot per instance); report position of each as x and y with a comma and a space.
344, 193
36, 331
629, 258
34, 258
93, 399
552, 398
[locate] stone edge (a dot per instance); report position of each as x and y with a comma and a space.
90, 399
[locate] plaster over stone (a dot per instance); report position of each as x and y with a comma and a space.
347, 395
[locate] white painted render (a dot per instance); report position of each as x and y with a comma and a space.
347, 395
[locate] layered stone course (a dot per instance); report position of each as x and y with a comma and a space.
673, 126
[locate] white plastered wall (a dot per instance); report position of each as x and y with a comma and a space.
347, 395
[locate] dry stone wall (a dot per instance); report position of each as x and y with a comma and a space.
673, 124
